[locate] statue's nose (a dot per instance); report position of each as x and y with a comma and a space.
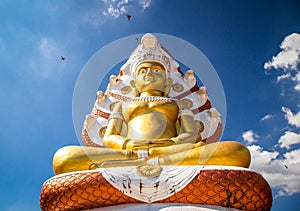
149, 71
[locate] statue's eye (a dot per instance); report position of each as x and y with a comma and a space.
156, 70
143, 71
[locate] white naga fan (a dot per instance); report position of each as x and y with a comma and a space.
184, 88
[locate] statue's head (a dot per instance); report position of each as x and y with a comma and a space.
149, 66
149, 51
151, 76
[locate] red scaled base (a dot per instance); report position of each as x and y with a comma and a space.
240, 189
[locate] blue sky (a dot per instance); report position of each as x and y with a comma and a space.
253, 45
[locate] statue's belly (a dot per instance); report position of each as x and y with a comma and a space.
151, 125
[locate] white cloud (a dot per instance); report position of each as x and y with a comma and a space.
297, 80
282, 170
288, 58
266, 117
293, 119
282, 174
116, 8
250, 137
284, 76
261, 158
114, 11
145, 3
288, 139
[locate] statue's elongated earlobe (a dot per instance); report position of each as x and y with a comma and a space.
168, 86
135, 92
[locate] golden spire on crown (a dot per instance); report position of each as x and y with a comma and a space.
149, 50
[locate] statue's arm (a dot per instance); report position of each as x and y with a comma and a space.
112, 137
189, 130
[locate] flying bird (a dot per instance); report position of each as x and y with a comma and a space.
137, 39
128, 16
62, 58
286, 166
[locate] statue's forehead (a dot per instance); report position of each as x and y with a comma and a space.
150, 64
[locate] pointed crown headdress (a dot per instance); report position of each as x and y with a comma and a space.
149, 50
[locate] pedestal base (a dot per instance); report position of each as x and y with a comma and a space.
228, 187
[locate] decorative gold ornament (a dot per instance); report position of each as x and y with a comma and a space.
125, 90
187, 103
149, 170
177, 87
201, 126
102, 131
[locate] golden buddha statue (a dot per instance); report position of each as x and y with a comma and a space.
150, 126
152, 137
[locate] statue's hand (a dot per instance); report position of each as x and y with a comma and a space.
163, 142
147, 144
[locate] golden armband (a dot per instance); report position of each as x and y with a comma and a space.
116, 115
185, 112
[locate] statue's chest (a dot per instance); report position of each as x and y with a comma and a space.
142, 106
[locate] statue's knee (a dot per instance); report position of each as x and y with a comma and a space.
63, 157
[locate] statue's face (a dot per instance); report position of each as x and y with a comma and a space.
150, 76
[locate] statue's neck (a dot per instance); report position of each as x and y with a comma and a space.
151, 93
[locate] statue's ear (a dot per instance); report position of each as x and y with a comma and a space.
168, 86
169, 82
135, 92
